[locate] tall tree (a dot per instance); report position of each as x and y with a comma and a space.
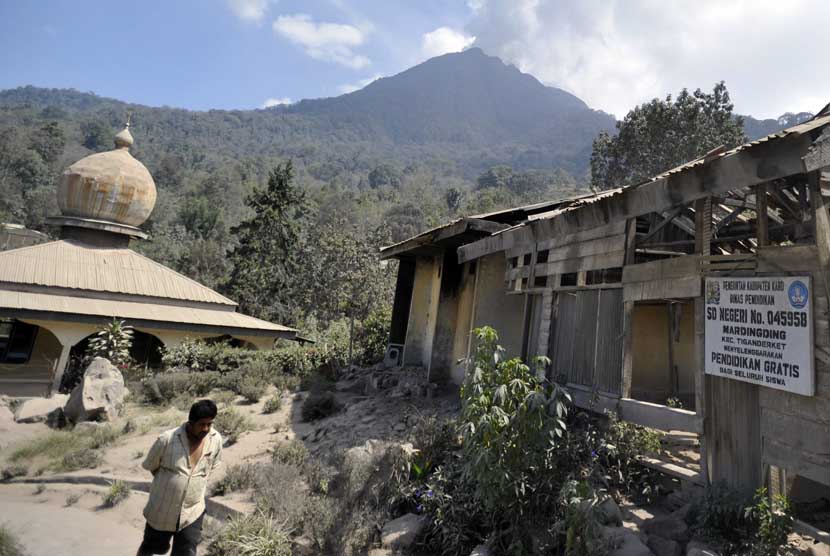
661, 134
265, 261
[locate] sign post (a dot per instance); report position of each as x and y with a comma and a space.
760, 330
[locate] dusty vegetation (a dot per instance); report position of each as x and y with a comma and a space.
9, 545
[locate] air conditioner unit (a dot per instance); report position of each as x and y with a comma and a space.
394, 356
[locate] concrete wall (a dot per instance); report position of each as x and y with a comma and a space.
493, 307
651, 376
422, 313
463, 322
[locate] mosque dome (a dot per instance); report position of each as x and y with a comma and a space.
110, 188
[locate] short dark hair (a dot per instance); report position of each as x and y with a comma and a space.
203, 409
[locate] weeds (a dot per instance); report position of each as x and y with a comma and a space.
68, 450
79, 459
117, 493
39, 489
232, 424
13, 471
237, 477
319, 405
253, 535
8, 543
273, 404
293, 452
72, 499
223, 397
252, 388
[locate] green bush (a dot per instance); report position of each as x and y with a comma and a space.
252, 388
319, 405
282, 493
293, 452
253, 535
117, 493
372, 336
8, 543
13, 471
232, 424
237, 477
272, 404
163, 388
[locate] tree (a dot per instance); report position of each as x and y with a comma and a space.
453, 198
496, 176
98, 135
266, 259
661, 134
384, 174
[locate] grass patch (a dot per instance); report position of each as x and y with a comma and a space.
117, 493
272, 404
232, 424
223, 397
237, 477
67, 450
293, 452
8, 543
251, 388
253, 535
72, 499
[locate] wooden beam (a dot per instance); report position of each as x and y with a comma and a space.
763, 217
667, 219
658, 416
630, 240
822, 219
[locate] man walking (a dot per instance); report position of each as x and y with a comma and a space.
181, 460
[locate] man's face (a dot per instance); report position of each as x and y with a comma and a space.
201, 428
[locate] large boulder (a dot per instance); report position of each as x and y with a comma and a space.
37, 409
625, 543
401, 532
671, 528
100, 394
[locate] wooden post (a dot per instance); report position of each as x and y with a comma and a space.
628, 314
822, 227
763, 217
703, 236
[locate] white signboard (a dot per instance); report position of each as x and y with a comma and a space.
760, 330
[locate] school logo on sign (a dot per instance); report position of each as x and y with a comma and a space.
713, 293
798, 294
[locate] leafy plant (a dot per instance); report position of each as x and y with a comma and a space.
117, 493
239, 476
113, 342
512, 421
272, 404
8, 543
251, 388
773, 522
292, 451
232, 424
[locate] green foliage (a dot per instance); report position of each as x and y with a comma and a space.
67, 450
773, 522
272, 404
72, 499
291, 452
163, 388
251, 387
9, 546
660, 135
112, 342
319, 405
373, 336
581, 526
116, 493
512, 421
80, 459
232, 424
252, 535
240, 476
12, 471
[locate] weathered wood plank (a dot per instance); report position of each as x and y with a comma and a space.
801, 435
593, 262
677, 267
587, 248
668, 288
791, 258
763, 216
586, 398
628, 342
658, 416
812, 466
546, 241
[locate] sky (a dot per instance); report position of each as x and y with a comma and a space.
240, 54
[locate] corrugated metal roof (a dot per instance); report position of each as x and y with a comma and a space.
72, 265
224, 316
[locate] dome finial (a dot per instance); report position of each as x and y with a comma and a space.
124, 139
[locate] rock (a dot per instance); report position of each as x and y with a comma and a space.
610, 512
56, 419
401, 532
100, 394
695, 548
481, 550
670, 528
6, 418
625, 542
37, 409
354, 386
663, 547
683, 512
303, 546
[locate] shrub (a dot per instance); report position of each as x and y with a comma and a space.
281, 491
512, 423
223, 397
773, 522
273, 404
372, 337
319, 519
319, 405
253, 535
237, 477
293, 452
165, 387
72, 499
433, 439
117, 493
8, 543
80, 459
285, 383
232, 424
13, 471
251, 388
112, 342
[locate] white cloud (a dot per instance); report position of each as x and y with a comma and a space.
249, 10
329, 42
269, 102
615, 54
352, 87
444, 40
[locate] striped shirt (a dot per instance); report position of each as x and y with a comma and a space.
177, 495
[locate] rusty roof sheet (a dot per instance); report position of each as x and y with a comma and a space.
223, 316
72, 265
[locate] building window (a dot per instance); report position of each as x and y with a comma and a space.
16, 341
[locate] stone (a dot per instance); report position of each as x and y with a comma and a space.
625, 542
36, 410
401, 532
354, 386
610, 512
695, 548
481, 550
100, 394
670, 528
663, 547
56, 419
